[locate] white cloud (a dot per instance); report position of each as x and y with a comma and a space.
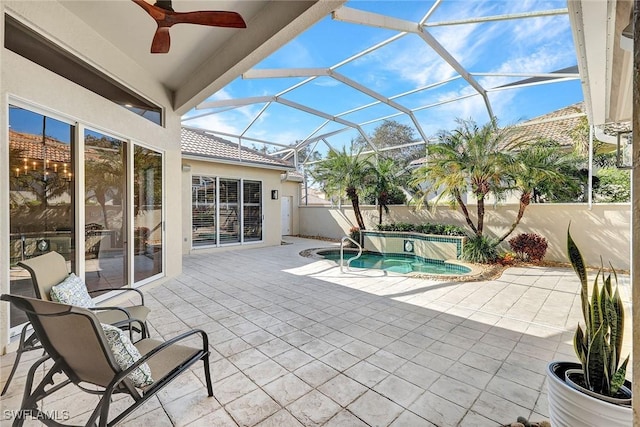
539, 30
221, 94
215, 122
231, 121
411, 60
326, 82
294, 53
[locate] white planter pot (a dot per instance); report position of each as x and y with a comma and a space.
569, 407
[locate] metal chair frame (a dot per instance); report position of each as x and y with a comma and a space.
119, 383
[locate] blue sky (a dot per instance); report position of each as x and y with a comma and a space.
537, 45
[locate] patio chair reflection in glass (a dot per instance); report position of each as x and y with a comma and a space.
81, 349
49, 270
94, 235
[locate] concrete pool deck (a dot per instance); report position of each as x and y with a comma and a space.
295, 342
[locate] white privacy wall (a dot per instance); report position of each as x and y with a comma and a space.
603, 230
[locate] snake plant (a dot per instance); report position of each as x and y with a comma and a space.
599, 345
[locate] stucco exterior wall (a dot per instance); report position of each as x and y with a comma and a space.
292, 189
270, 179
27, 84
603, 230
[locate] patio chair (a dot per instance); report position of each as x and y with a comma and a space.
83, 350
50, 269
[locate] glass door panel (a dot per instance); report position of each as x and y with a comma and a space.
252, 208
203, 211
105, 211
229, 215
41, 194
147, 213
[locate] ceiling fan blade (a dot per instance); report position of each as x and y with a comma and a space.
162, 12
165, 4
214, 18
156, 13
161, 41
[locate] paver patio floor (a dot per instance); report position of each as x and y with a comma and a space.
295, 342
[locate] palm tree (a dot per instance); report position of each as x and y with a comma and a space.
536, 164
489, 160
385, 175
104, 173
344, 173
469, 158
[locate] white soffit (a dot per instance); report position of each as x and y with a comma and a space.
605, 68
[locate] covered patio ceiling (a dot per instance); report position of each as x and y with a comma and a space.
202, 59
424, 64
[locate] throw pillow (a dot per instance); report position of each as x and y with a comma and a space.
126, 354
72, 291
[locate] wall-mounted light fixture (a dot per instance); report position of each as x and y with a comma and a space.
623, 150
186, 168
274, 194
626, 38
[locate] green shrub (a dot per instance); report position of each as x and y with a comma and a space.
426, 228
481, 250
529, 246
614, 186
403, 226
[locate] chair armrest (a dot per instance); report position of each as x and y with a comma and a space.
139, 292
205, 342
143, 328
124, 310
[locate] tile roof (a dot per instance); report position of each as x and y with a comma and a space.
294, 176
31, 147
200, 144
556, 125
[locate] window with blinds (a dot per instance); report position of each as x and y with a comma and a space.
252, 210
229, 210
225, 211
203, 210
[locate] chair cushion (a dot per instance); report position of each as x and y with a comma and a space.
72, 291
126, 354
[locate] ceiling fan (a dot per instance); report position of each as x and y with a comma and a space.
165, 17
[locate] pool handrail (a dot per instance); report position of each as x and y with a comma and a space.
345, 238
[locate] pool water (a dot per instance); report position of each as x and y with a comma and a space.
397, 263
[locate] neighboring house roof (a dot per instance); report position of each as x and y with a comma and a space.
199, 144
556, 125
32, 148
314, 196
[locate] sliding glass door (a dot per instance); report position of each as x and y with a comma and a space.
105, 198
229, 194
148, 224
41, 194
225, 211
121, 202
203, 211
252, 210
